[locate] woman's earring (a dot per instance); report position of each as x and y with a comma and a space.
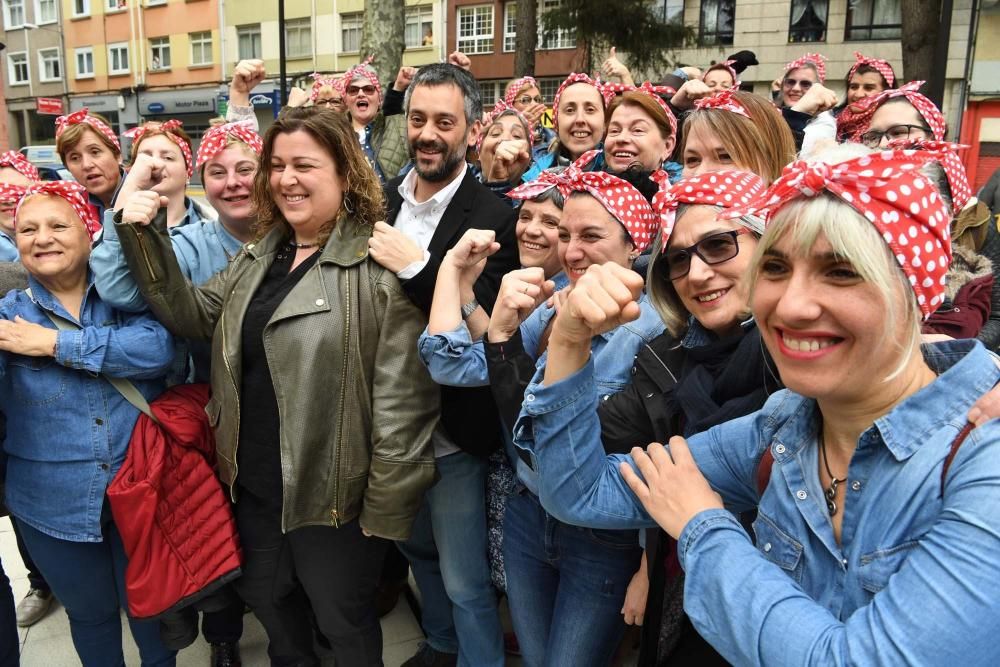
347, 205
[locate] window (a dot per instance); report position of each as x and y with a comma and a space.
475, 29
807, 22
350, 33
159, 54
298, 38
419, 27
509, 27
548, 88
873, 19
248, 41
46, 11
491, 90
17, 68
13, 13
670, 11
49, 65
557, 39
118, 58
716, 26
201, 48
114, 5
154, 3
84, 63
81, 7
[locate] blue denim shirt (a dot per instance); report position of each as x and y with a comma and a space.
67, 428
917, 577
8, 249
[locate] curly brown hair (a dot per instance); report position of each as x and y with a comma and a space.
363, 198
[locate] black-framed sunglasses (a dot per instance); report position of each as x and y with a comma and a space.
804, 84
714, 249
354, 90
873, 138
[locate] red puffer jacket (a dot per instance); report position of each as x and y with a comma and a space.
173, 516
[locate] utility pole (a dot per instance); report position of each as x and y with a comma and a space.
282, 65
935, 88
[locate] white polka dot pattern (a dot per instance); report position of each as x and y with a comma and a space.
214, 141
881, 66
82, 116
728, 66
320, 81
726, 189
620, 198
818, 60
578, 77
722, 100
362, 70
499, 108
517, 86
74, 193
136, 134
857, 122
20, 164
958, 177
656, 92
890, 192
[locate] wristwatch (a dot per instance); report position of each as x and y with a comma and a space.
469, 308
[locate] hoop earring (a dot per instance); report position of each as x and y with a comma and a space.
348, 207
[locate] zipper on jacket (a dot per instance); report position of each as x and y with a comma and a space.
145, 253
236, 390
334, 515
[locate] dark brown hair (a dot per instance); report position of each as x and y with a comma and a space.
72, 135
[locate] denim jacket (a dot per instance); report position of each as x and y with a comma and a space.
917, 577
67, 428
8, 249
202, 245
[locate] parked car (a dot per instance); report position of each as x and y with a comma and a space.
54, 171
39, 155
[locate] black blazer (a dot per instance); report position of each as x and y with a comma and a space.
469, 415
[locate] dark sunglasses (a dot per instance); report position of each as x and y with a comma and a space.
714, 249
354, 90
804, 84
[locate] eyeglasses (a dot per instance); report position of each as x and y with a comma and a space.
804, 84
354, 90
873, 138
528, 99
329, 103
714, 249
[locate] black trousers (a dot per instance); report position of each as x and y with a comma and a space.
224, 626
35, 578
331, 572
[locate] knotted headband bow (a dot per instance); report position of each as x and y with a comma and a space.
500, 108
362, 69
817, 60
215, 140
722, 100
653, 91
725, 189
136, 134
881, 66
861, 119
83, 116
578, 77
888, 190
618, 197
320, 81
74, 193
517, 86
958, 177
20, 164
728, 66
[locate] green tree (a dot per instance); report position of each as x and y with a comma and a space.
635, 25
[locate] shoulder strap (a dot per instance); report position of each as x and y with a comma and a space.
764, 471
955, 444
128, 390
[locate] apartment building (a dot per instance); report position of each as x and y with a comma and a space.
319, 37
980, 128
33, 70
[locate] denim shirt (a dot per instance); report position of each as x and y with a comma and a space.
917, 577
8, 249
202, 245
67, 428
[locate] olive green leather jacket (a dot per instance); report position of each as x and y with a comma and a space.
356, 407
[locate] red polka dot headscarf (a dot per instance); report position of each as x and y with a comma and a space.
74, 193
217, 139
502, 108
656, 92
722, 100
860, 120
728, 66
817, 60
20, 164
365, 71
136, 135
888, 189
618, 197
951, 163
517, 86
83, 116
321, 81
575, 78
723, 189
881, 66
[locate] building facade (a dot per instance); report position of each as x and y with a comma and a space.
319, 37
981, 122
34, 73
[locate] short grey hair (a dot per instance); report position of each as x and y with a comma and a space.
440, 74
